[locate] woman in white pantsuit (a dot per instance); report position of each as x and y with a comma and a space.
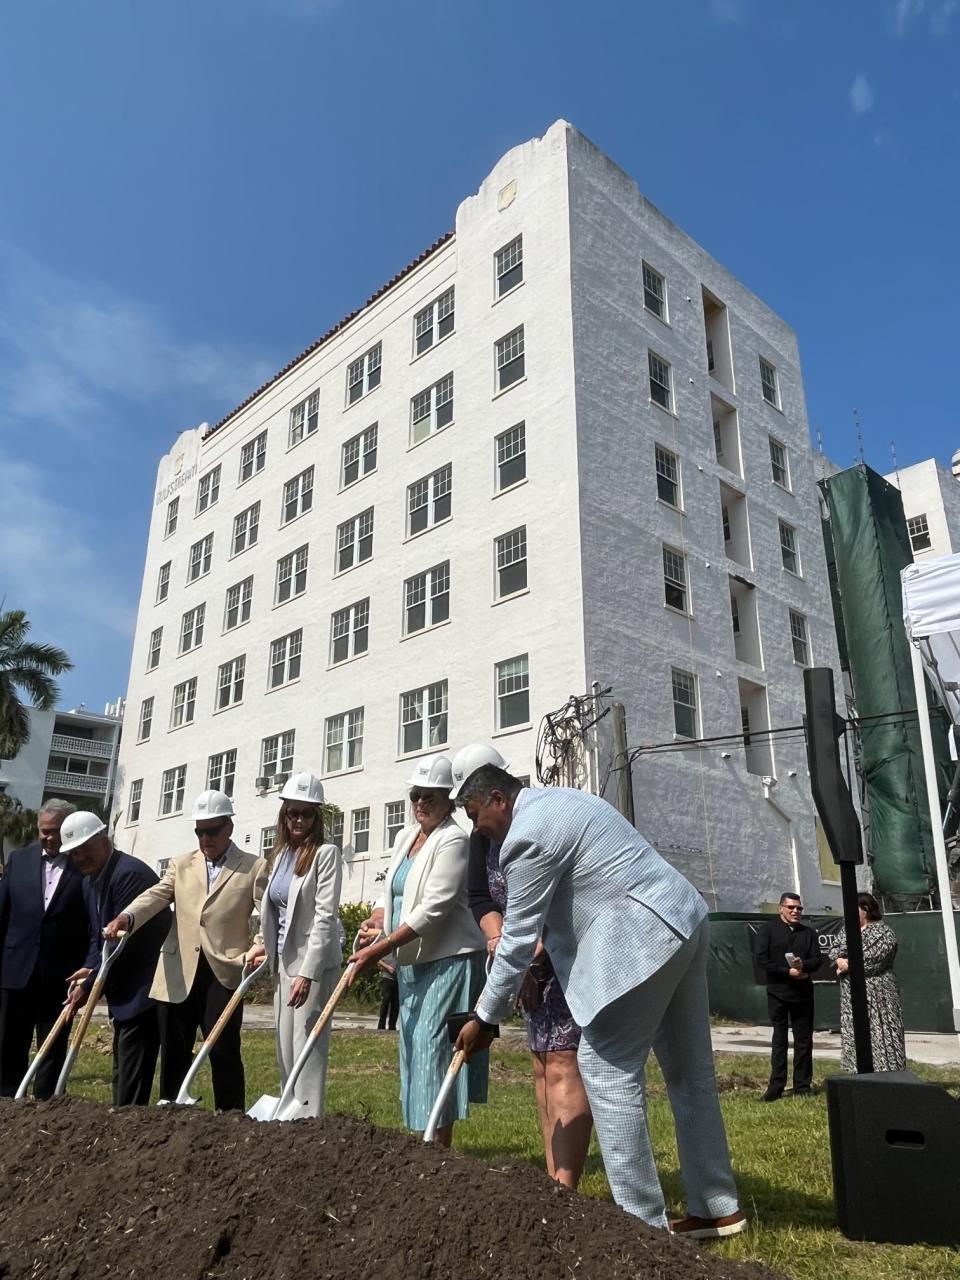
298, 933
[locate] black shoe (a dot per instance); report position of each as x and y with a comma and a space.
803, 1092
772, 1095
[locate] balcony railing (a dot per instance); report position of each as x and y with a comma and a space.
89, 783
62, 742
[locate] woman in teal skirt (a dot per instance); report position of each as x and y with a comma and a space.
426, 917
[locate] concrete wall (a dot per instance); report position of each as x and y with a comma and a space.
23, 777
929, 489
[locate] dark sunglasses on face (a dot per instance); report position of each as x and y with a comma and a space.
305, 814
200, 832
429, 798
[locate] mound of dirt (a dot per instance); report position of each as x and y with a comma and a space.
174, 1194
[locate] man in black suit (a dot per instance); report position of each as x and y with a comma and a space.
788, 952
44, 933
111, 881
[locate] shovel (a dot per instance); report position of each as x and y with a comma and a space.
65, 1015
449, 1080
183, 1098
110, 954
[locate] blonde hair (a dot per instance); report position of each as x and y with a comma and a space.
311, 843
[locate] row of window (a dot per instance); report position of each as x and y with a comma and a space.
669, 479
662, 393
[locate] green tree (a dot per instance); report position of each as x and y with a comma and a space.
25, 669
18, 826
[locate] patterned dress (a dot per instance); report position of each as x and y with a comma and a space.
883, 1000
550, 1026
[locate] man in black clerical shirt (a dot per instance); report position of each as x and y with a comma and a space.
788, 952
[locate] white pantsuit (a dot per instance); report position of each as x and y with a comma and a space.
293, 1027
628, 937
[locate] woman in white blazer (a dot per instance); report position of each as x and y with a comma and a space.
426, 919
299, 935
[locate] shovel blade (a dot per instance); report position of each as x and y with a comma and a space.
266, 1108
263, 1108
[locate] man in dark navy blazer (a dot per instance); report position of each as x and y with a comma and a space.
111, 881
44, 934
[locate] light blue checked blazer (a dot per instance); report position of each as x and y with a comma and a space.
610, 910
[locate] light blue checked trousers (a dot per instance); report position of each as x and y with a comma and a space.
668, 1013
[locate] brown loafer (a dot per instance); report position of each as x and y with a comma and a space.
694, 1228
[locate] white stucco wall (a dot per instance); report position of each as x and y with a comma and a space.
24, 776
929, 489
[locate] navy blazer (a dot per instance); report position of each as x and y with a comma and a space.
128, 983
52, 942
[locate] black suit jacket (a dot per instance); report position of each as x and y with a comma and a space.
50, 943
128, 984
774, 940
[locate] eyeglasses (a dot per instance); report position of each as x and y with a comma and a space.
209, 832
299, 815
792, 906
427, 798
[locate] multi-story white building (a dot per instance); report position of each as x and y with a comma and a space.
562, 446
931, 504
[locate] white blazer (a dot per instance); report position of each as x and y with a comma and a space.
435, 902
311, 943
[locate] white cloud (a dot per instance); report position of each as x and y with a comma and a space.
729, 10
861, 95
903, 14
939, 14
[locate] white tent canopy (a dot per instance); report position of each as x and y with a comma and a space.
931, 615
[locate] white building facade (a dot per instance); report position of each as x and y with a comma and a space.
71, 754
931, 505
563, 446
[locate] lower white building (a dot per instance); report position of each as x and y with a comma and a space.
563, 446
931, 505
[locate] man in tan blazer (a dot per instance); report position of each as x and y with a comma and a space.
214, 891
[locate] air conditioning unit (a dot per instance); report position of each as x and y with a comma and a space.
262, 783
280, 778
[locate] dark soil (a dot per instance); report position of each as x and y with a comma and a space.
91, 1192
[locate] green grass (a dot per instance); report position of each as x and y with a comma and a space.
780, 1152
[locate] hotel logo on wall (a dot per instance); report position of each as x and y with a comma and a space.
180, 478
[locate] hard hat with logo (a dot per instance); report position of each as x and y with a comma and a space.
78, 828
432, 771
469, 759
303, 786
212, 804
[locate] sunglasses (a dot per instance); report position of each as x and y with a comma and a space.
429, 798
209, 832
292, 815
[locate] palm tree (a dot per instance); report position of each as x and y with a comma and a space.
24, 668
18, 825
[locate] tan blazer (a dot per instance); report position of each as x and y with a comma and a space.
217, 922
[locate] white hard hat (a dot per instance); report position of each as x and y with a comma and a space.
78, 828
303, 786
432, 771
212, 804
469, 759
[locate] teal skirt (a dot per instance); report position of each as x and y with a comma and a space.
428, 993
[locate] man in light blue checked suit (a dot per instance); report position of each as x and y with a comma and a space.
628, 936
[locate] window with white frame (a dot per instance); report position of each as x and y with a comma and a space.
426, 598
431, 409
668, 476
136, 796
191, 628
172, 786
285, 655
919, 531
146, 720
511, 456
208, 490
355, 540
360, 830
291, 575
423, 718
789, 551
253, 457
685, 714
201, 554
769, 383
336, 830
246, 529
237, 604
184, 703
394, 820
276, 754
268, 836
173, 516
433, 323
350, 631
654, 292
153, 653
304, 418
513, 692
675, 579
221, 771
343, 741
163, 582
779, 464
511, 554
297, 496
359, 456
661, 392
798, 634
508, 264
511, 362
429, 500
363, 374
230, 679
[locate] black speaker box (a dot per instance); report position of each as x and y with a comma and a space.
895, 1147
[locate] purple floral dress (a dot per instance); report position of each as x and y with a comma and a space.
550, 1027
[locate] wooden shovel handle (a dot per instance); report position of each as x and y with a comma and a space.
96, 991
66, 1013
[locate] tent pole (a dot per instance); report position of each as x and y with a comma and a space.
936, 828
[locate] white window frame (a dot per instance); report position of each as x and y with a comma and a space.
510, 360
243, 604
163, 582
145, 725
201, 557
276, 753
360, 829
434, 322
918, 528
222, 771
173, 786
800, 637
510, 550
508, 267
359, 452
304, 418
268, 838
685, 682
393, 810
297, 496
667, 465
343, 742
156, 645
780, 463
428, 708
230, 680
512, 685
429, 591
769, 382
246, 529
291, 579
208, 490
351, 624
675, 579
432, 494
336, 830
183, 705
355, 534
285, 659
660, 374
363, 374
172, 518
253, 458
509, 446
135, 801
654, 292
789, 548
191, 628
431, 410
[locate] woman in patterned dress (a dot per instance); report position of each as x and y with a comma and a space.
883, 993
440, 951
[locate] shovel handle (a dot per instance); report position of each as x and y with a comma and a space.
66, 1013
216, 1030
80, 1030
449, 1080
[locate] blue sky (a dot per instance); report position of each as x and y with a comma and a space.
193, 190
